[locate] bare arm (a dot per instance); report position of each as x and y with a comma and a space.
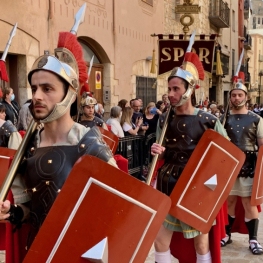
260, 141
134, 131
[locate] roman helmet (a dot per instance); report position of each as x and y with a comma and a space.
67, 73
87, 100
238, 83
191, 71
70, 66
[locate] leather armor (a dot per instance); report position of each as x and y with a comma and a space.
89, 124
5, 132
182, 135
47, 168
242, 130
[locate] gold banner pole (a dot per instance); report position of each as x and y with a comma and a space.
155, 158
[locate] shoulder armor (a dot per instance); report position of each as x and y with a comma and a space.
92, 143
8, 128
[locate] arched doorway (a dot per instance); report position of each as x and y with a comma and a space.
96, 76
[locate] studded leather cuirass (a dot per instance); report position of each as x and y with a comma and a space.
242, 131
47, 168
5, 132
95, 122
182, 135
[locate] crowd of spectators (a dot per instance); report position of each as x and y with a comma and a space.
127, 118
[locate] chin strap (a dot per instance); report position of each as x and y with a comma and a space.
241, 105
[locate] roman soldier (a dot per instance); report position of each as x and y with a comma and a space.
185, 127
245, 130
57, 143
87, 113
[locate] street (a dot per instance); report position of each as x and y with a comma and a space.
237, 252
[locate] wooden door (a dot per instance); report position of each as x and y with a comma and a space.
96, 84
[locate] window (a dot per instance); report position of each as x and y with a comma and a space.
254, 25
88, 53
259, 20
145, 90
225, 63
149, 2
233, 62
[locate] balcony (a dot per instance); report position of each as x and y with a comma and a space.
219, 14
248, 42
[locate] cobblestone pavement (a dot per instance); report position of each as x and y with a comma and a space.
237, 252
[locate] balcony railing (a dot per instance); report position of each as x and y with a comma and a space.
219, 13
248, 42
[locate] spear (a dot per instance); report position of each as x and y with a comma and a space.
79, 18
235, 79
90, 66
3, 72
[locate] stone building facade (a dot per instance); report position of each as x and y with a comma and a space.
224, 18
116, 32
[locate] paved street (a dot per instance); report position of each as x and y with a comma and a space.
237, 252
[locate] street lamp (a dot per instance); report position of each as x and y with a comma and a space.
260, 74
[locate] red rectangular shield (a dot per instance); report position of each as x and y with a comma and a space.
6, 156
257, 189
110, 138
96, 202
206, 181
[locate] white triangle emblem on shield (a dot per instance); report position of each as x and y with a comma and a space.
98, 253
211, 182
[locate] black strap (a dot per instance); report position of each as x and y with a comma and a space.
16, 215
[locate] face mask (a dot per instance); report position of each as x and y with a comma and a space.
12, 97
96, 107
